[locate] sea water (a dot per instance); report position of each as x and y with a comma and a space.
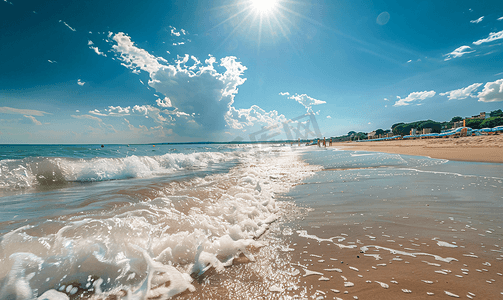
136, 221
246, 222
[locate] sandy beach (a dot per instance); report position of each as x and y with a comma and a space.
476, 148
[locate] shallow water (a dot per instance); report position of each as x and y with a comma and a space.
386, 225
176, 216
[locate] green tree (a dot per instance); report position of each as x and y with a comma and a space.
491, 122
395, 125
379, 132
456, 119
435, 126
474, 123
496, 113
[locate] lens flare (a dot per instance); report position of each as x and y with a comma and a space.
264, 6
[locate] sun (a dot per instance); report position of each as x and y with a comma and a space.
264, 6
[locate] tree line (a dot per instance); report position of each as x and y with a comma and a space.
495, 119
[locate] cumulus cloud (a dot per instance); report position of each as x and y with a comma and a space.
492, 92
72, 29
112, 111
285, 94
329, 117
462, 93
493, 36
31, 112
458, 52
133, 57
177, 33
305, 100
198, 95
198, 90
477, 20
81, 83
500, 18
32, 118
240, 118
412, 97
164, 102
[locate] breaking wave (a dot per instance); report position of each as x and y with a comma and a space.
31, 171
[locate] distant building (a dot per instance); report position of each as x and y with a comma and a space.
371, 135
426, 130
413, 131
481, 116
457, 124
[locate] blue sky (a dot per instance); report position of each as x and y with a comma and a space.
176, 71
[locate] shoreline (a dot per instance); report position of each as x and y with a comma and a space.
487, 149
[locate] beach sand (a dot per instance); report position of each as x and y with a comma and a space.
486, 148
401, 228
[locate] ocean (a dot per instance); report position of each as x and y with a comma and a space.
245, 222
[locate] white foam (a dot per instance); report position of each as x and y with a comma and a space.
382, 284
173, 229
445, 244
451, 294
415, 254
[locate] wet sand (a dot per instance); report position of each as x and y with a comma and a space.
426, 229
486, 148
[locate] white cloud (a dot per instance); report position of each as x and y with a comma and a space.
72, 29
134, 57
52, 61
32, 118
492, 92
77, 110
240, 118
98, 113
329, 117
500, 18
285, 94
462, 93
177, 33
493, 36
97, 51
416, 96
112, 111
11, 110
81, 83
477, 20
386, 99
198, 95
164, 102
458, 52
87, 117
89, 43
305, 100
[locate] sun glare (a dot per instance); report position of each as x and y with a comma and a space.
264, 6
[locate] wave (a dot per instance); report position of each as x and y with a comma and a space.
156, 247
29, 172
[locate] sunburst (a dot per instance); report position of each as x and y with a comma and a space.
258, 18
264, 6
